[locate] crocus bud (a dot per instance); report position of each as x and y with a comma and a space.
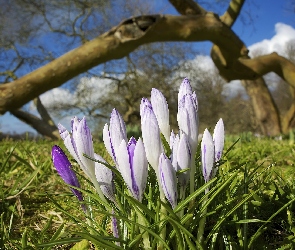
161, 111
84, 145
79, 143
133, 166
188, 120
174, 143
207, 157
104, 177
108, 142
184, 160
168, 179
64, 169
218, 139
184, 89
150, 134
117, 130
114, 134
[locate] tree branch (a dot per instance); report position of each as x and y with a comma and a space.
232, 12
35, 122
187, 7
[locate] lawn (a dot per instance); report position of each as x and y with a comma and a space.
256, 207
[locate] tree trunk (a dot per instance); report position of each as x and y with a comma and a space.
264, 107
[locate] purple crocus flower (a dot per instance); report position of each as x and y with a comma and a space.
133, 166
150, 134
64, 169
207, 155
168, 179
114, 134
78, 143
161, 111
218, 139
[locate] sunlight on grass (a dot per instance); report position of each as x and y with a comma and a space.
29, 183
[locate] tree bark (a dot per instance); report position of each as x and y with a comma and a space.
264, 107
36, 123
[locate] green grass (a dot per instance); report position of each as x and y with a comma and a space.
28, 182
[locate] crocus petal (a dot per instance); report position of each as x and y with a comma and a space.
150, 134
104, 177
184, 158
124, 164
161, 111
218, 138
185, 88
140, 168
68, 141
207, 151
64, 169
188, 120
133, 166
84, 145
117, 130
174, 140
168, 179
108, 142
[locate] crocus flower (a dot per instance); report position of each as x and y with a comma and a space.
168, 179
150, 134
187, 118
64, 169
181, 157
207, 155
218, 139
104, 176
114, 134
133, 166
161, 111
79, 142
184, 89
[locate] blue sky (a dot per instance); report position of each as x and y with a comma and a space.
265, 14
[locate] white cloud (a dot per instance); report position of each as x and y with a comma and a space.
57, 95
87, 92
283, 34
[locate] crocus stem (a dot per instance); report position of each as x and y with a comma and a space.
192, 175
200, 236
182, 197
163, 213
98, 190
145, 235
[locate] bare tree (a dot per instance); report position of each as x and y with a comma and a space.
229, 54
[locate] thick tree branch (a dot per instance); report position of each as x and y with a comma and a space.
43, 112
272, 63
187, 7
232, 12
35, 122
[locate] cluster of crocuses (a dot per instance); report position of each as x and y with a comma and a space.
131, 157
